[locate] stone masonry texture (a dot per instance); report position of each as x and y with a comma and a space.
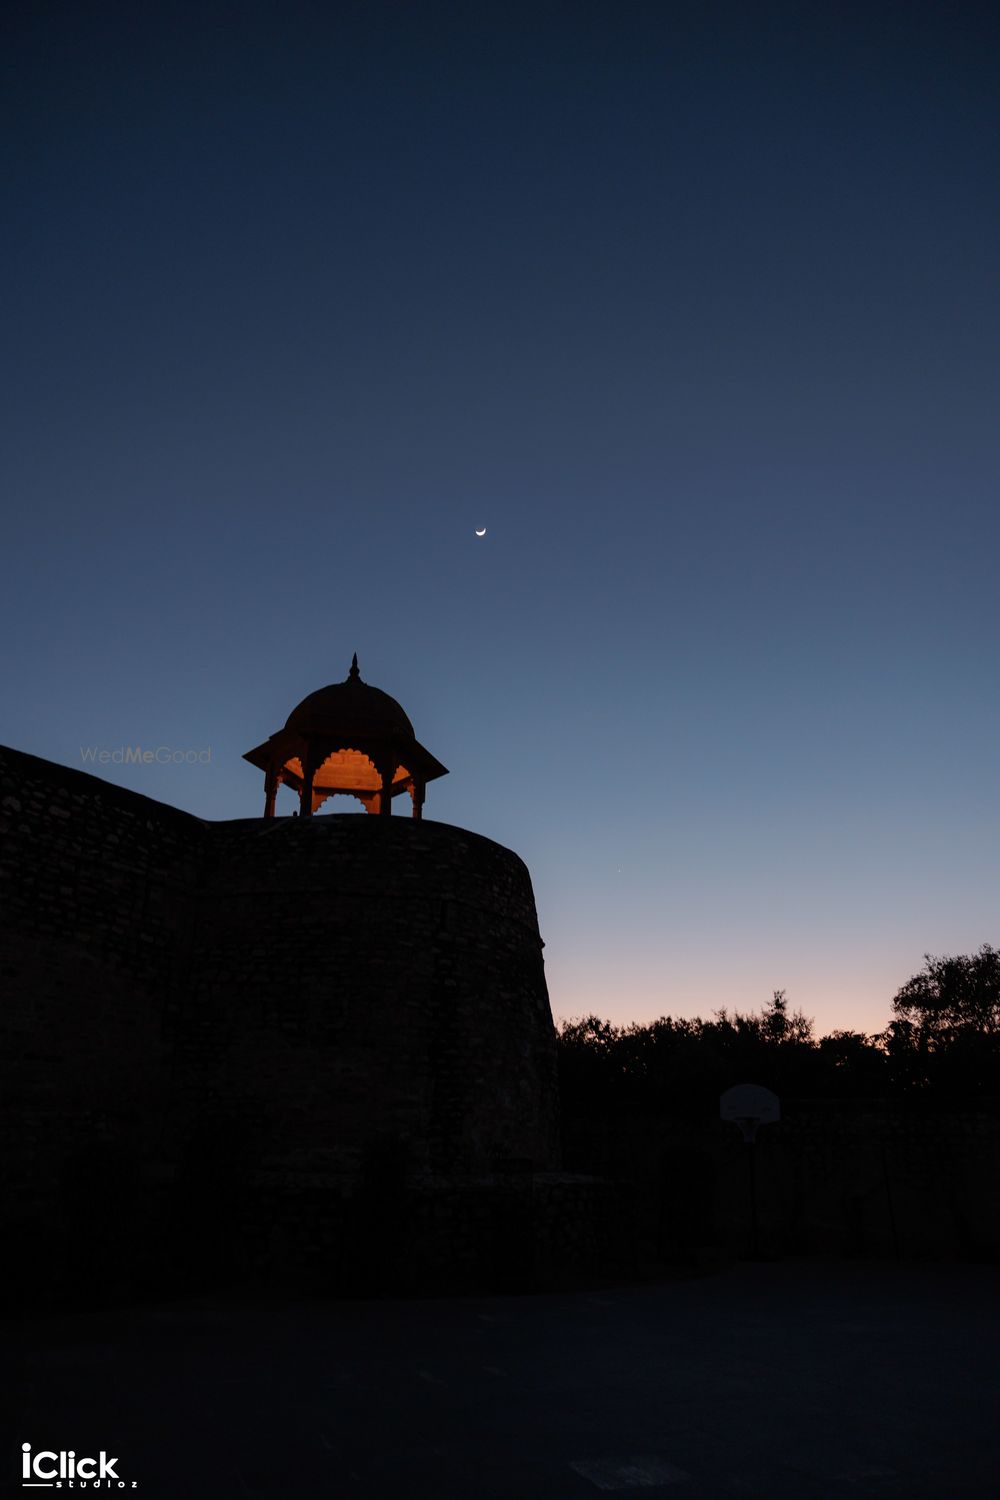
212, 1026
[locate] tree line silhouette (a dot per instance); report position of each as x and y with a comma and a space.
942, 1046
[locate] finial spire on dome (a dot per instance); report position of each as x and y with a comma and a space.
354, 675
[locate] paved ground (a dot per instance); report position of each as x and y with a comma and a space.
797, 1379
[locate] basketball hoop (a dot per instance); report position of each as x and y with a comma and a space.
749, 1106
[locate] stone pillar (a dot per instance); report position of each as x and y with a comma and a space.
272, 781
306, 794
385, 796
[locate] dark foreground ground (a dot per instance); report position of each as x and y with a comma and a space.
795, 1379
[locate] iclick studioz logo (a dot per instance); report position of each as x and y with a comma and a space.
46, 1470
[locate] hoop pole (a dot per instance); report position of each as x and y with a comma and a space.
751, 1159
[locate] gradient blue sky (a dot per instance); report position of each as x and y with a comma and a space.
694, 306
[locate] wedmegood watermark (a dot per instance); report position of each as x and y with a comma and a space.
47, 1470
135, 755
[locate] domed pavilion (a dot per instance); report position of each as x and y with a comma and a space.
348, 739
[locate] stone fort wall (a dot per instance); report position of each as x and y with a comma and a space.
370, 985
201, 1015
97, 891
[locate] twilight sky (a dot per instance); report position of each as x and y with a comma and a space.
694, 306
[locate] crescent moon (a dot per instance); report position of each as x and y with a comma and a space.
480, 533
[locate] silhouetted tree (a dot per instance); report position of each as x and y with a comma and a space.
951, 995
683, 1065
943, 1042
776, 1018
796, 1028
586, 1061
947, 1028
852, 1065
906, 1057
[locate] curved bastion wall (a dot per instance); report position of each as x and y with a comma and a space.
291, 997
369, 985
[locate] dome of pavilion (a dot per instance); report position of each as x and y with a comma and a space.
350, 707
